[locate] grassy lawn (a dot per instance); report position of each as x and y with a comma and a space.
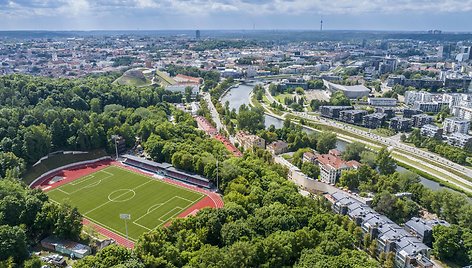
265, 100
58, 161
281, 97
255, 102
384, 132
102, 196
132, 81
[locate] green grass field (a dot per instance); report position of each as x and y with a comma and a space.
102, 196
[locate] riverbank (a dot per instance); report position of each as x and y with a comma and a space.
431, 172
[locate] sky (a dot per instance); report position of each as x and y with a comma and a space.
407, 15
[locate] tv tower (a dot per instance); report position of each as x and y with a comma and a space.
321, 25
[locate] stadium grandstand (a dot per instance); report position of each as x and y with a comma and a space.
166, 170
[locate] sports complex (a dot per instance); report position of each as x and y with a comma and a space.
122, 201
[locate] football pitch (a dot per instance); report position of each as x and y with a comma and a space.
102, 196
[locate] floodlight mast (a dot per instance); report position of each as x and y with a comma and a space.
115, 138
126, 217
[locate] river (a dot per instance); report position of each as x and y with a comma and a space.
239, 95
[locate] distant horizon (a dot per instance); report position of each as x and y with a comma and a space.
376, 15
238, 30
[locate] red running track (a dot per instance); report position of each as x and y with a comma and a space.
211, 199
118, 238
70, 174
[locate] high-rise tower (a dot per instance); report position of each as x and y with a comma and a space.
321, 25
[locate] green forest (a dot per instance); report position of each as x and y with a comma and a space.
265, 221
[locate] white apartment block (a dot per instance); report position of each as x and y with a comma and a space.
421, 96
454, 124
462, 112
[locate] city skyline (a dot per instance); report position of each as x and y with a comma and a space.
405, 15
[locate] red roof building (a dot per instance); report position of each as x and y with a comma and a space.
331, 164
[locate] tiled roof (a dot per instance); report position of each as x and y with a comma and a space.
335, 161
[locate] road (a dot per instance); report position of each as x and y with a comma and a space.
435, 162
216, 117
214, 114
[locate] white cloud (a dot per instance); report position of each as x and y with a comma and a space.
197, 8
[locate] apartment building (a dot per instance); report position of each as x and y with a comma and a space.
249, 141
454, 124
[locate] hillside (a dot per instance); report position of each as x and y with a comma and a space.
134, 77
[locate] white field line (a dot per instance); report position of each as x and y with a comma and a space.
201, 195
156, 206
82, 180
110, 229
116, 197
88, 178
179, 210
191, 204
163, 181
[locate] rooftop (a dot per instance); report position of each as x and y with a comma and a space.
334, 160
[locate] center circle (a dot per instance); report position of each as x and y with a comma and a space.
121, 195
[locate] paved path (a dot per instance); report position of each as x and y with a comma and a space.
216, 117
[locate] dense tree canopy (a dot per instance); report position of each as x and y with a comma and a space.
385, 163
339, 99
39, 115
454, 154
353, 151
26, 216
265, 222
326, 142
